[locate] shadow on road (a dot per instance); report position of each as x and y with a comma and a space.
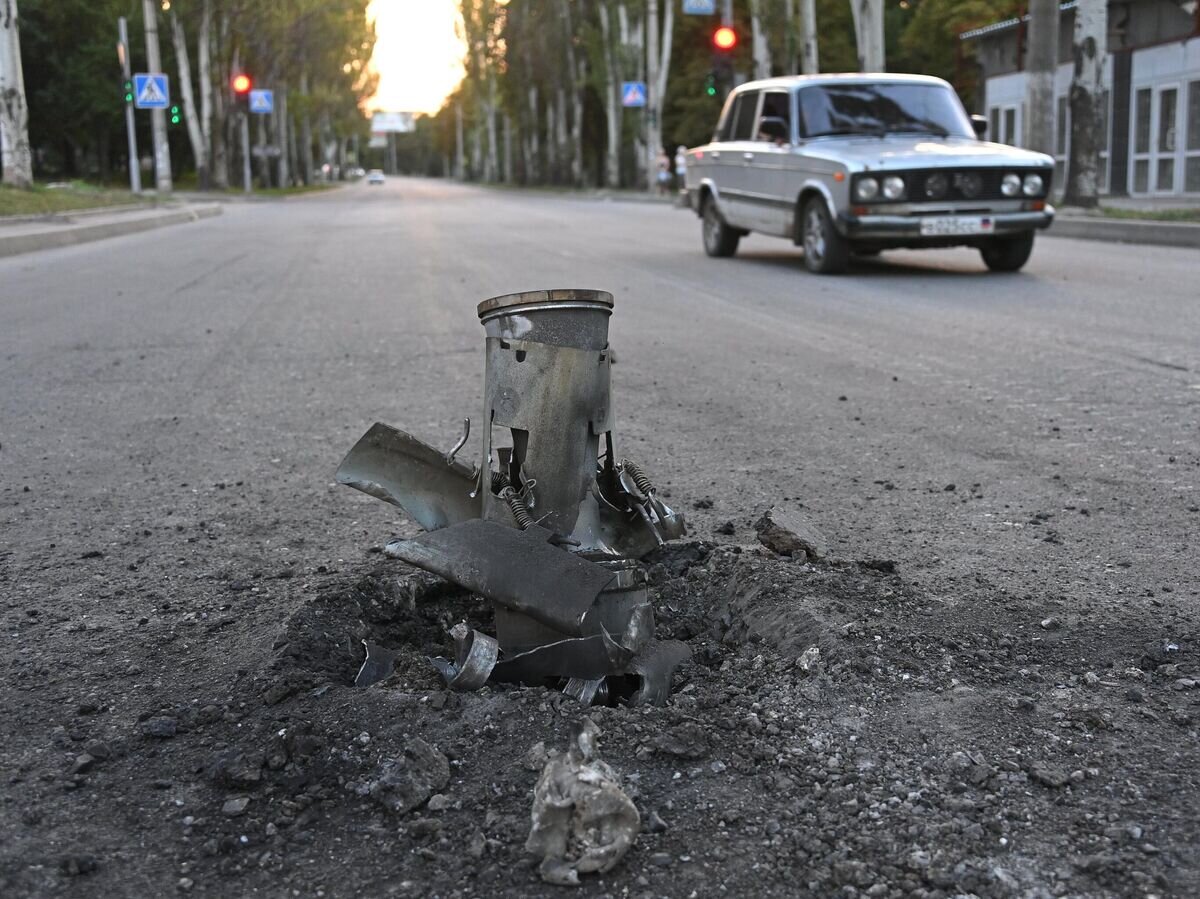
894, 266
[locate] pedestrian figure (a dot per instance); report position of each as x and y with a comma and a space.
680, 171
664, 175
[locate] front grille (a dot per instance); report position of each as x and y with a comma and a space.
933, 185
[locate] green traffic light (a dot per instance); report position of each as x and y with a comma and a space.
711, 91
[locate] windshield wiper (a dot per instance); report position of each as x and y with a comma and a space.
924, 129
841, 132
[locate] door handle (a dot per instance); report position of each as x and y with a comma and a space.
748, 155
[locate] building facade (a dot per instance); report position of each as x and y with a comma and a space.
1151, 94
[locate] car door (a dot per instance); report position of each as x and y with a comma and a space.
734, 176
764, 166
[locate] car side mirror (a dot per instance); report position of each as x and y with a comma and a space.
980, 124
773, 128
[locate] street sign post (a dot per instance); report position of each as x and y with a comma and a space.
151, 90
262, 102
633, 93
699, 7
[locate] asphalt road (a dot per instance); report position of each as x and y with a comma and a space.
173, 405
270, 338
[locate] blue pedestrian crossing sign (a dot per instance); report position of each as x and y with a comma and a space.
262, 101
699, 7
633, 93
151, 91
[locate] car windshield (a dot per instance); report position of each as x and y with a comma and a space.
881, 109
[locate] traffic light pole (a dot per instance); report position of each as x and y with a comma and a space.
727, 12
135, 164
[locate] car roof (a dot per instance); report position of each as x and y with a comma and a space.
791, 81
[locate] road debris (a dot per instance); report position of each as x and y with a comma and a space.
548, 524
790, 534
582, 821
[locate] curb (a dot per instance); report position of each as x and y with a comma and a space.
15, 244
1136, 231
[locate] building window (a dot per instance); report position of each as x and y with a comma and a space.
1166, 144
1191, 164
1010, 126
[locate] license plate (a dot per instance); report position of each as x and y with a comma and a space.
953, 225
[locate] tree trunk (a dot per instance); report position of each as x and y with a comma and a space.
508, 149
459, 149
758, 41
204, 69
190, 114
551, 173
1041, 62
576, 79
306, 135
1089, 48
280, 120
262, 162
16, 159
492, 166
158, 117
868, 33
612, 101
810, 63
293, 152
658, 67
220, 124
533, 165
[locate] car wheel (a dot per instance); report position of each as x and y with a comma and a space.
719, 238
1007, 254
825, 251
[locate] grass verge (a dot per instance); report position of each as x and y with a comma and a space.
71, 196
1152, 215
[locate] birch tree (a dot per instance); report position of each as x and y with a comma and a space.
16, 160
190, 113
868, 32
809, 61
1089, 47
760, 49
612, 98
658, 66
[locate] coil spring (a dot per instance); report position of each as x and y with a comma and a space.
644, 483
520, 511
499, 481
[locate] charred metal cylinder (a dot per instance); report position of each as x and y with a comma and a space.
546, 407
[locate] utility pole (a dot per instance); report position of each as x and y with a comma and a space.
135, 164
868, 32
727, 12
1042, 62
158, 117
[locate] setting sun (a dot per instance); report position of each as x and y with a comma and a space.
418, 53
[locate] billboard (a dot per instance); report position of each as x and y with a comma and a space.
398, 122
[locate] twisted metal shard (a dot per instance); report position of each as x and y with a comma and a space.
549, 524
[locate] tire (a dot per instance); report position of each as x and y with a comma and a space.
719, 239
825, 251
1007, 254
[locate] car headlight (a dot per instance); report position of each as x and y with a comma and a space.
866, 189
1010, 185
1033, 185
893, 187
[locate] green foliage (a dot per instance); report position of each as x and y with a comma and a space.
929, 42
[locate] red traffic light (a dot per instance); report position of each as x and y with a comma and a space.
724, 38
241, 84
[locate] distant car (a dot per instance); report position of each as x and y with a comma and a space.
845, 164
375, 176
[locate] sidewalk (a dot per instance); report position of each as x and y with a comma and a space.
25, 234
1097, 225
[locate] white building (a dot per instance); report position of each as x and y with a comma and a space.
1152, 76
